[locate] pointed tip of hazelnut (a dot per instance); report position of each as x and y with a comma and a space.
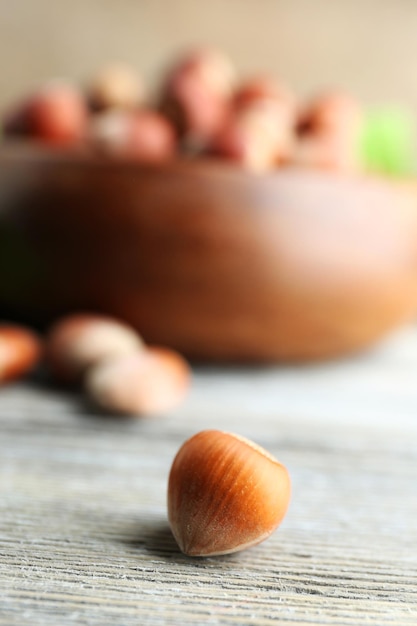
225, 494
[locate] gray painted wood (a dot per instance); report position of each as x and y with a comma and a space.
83, 530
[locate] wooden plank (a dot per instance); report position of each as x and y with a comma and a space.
83, 531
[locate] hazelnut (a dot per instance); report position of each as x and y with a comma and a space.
145, 136
197, 94
258, 133
328, 134
259, 137
149, 382
115, 86
225, 494
20, 350
331, 112
76, 342
56, 114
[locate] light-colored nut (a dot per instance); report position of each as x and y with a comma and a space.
115, 86
259, 136
20, 350
149, 382
259, 131
76, 342
144, 136
333, 112
225, 494
214, 69
328, 134
109, 131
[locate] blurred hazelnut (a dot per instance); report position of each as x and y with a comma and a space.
214, 69
110, 131
328, 132
259, 136
76, 342
259, 130
148, 382
55, 114
115, 86
197, 94
332, 112
20, 351
145, 135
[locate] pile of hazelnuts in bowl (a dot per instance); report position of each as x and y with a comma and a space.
201, 109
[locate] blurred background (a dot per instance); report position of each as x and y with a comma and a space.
363, 285
367, 46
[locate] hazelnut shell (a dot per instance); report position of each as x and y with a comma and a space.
225, 494
76, 342
20, 351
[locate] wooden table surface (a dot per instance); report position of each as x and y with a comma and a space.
83, 529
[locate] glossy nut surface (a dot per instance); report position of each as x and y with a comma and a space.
225, 494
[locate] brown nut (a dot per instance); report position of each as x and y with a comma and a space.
144, 136
331, 113
20, 351
328, 131
259, 130
149, 382
225, 494
115, 86
76, 342
197, 94
259, 137
56, 114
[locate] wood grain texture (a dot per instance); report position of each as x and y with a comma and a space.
83, 530
294, 265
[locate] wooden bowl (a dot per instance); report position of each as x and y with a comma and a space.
201, 256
